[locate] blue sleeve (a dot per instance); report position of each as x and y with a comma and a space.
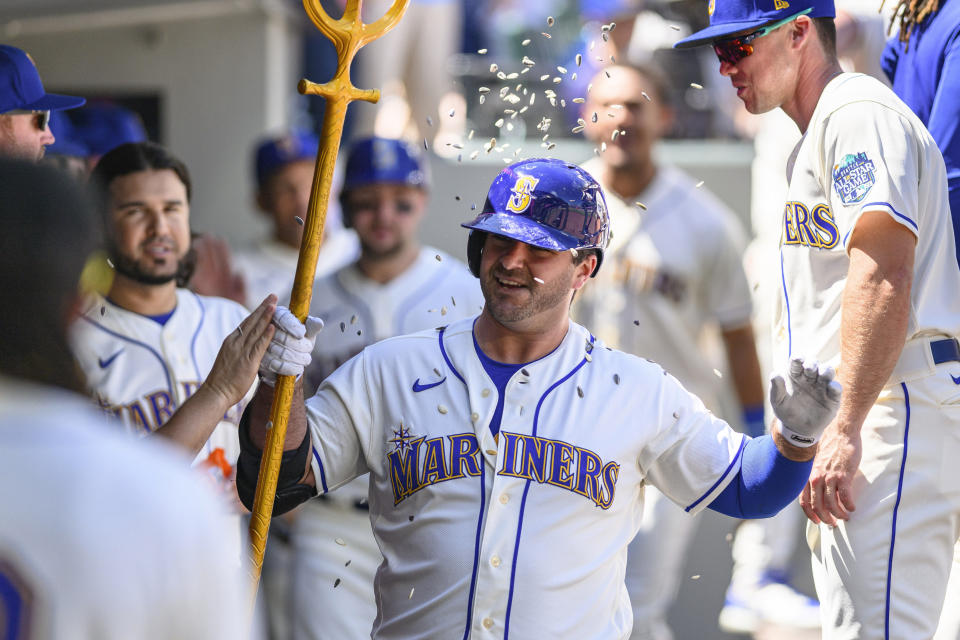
765, 484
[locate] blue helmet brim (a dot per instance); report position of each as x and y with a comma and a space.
523, 229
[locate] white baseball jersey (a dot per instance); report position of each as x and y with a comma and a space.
523, 535
270, 266
141, 371
864, 150
103, 538
669, 271
853, 158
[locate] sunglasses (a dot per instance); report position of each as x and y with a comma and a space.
733, 50
41, 119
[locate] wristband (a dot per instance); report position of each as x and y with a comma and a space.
801, 440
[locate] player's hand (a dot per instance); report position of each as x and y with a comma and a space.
236, 365
828, 494
808, 406
290, 349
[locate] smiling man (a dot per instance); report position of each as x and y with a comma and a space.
25, 106
508, 451
870, 285
147, 345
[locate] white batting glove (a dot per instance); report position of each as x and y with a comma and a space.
812, 402
290, 349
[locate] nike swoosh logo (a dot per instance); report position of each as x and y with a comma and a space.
106, 363
956, 379
417, 387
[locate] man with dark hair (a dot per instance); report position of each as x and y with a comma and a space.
147, 345
25, 107
508, 451
869, 283
101, 538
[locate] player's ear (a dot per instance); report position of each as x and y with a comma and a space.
583, 269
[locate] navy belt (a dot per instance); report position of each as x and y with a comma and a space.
946, 350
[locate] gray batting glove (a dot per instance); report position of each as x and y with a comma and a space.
290, 349
812, 402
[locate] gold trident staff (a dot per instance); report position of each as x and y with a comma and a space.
348, 34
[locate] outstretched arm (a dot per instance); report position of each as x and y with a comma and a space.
231, 377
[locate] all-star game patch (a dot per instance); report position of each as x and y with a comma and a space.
854, 177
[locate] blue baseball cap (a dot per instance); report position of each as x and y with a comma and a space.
728, 17
275, 153
21, 88
104, 126
385, 160
67, 143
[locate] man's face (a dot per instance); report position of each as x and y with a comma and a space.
151, 225
508, 269
764, 79
619, 104
386, 217
286, 196
22, 137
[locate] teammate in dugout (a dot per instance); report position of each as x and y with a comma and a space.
396, 286
870, 282
508, 452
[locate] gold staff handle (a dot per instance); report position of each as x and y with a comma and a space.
348, 34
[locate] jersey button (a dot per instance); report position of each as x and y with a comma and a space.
504, 498
487, 623
495, 561
474, 416
485, 393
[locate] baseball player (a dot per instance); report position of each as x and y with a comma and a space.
508, 452
25, 106
147, 345
283, 167
672, 271
101, 538
396, 286
869, 280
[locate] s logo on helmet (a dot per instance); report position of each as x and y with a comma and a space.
521, 190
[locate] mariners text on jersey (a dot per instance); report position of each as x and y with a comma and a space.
417, 463
814, 228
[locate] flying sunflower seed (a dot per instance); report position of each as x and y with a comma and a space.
616, 378
641, 205
470, 135
336, 583
494, 67
527, 62
698, 185
593, 118
545, 35
614, 135
411, 593
441, 408
645, 96
579, 391
562, 70
343, 327
482, 52
573, 252
675, 27
577, 129
429, 121
475, 154
538, 279
579, 59
483, 99
512, 76
353, 319
340, 541
299, 220
550, 147
525, 42
498, 123
550, 21
603, 147
696, 86
573, 76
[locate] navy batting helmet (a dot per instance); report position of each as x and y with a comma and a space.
546, 203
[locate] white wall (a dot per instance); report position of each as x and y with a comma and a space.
224, 81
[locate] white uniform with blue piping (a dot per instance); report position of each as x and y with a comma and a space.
882, 574
335, 556
525, 535
105, 538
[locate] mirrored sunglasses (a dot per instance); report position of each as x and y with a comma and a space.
733, 50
